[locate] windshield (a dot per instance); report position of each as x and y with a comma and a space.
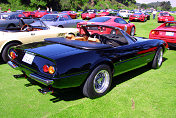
63, 12
164, 14
137, 13
11, 16
41, 11
49, 18
173, 25
3, 16
39, 23
99, 19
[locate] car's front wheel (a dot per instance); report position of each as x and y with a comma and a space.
98, 82
158, 59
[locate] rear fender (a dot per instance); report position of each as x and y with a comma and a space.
3, 44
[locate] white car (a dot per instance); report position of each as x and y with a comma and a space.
125, 13
27, 34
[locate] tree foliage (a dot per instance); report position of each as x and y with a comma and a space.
65, 4
165, 6
79, 4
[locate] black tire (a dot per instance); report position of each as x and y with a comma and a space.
5, 56
148, 18
11, 26
98, 82
60, 26
158, 59
132, 31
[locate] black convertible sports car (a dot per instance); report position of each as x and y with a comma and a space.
90, 60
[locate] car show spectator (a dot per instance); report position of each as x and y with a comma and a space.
9, 10
154, 13
47, 8
39, 9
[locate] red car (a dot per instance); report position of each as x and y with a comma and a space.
39, 14
88, 15
110, 21
72, 14
103, 14
166, 32
138, 17
165, 16
29, 14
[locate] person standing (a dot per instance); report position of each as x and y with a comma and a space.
47, 9
154, 13
9, 10
39, 9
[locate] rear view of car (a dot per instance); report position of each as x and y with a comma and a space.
40, 14
29, 14
89, 14
165, 16
166, 32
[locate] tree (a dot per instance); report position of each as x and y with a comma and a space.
144, 6
166, 6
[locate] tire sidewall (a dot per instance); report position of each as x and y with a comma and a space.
5, 51
88, 88
132, 31
155, 64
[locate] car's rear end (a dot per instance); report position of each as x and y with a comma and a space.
165, 34
38, 67
55, 62
165, 18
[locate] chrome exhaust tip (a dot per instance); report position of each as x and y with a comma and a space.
45, 91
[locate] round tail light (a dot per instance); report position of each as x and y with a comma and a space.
48, 69
155, 32
45, 68
13, 55
51, 70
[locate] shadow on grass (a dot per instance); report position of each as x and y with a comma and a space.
172, 48
71, 94
1, 61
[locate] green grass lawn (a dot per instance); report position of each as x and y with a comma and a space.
143, 92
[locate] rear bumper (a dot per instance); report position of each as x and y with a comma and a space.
41, 80
33, 76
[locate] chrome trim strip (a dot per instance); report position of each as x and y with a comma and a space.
12, 64
41, 80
